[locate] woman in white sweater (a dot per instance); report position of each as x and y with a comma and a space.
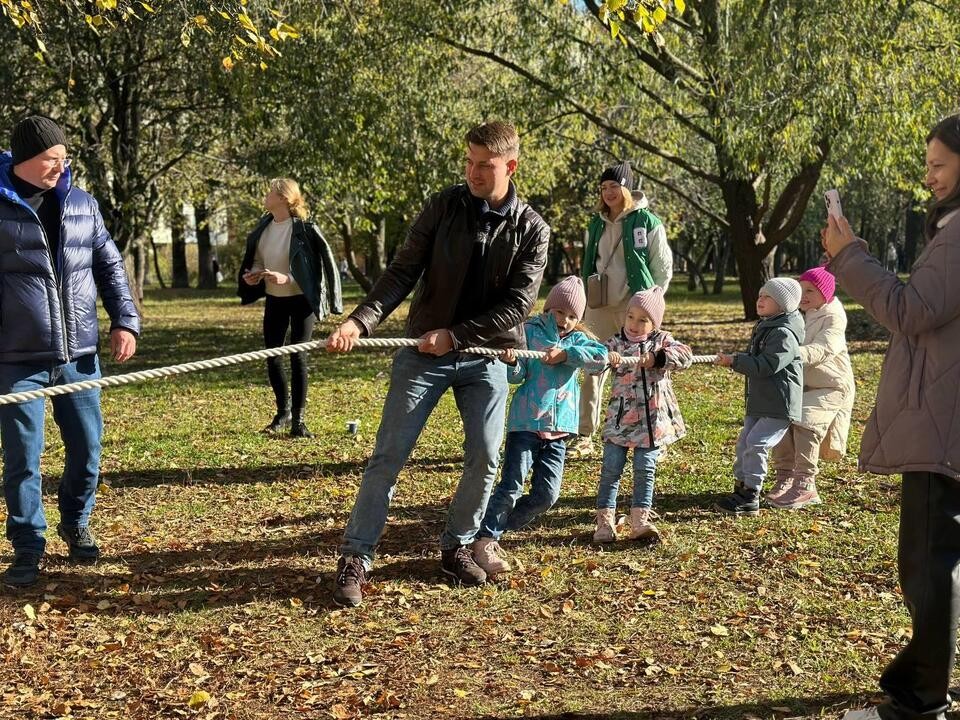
626, 243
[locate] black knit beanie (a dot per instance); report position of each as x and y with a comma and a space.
619, 173
32, 135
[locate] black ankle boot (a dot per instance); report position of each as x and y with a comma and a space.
298, 428
280, 421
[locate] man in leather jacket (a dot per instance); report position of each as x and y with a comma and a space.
476, 255
56, 256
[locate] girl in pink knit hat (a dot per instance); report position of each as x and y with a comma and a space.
828, 390
643, 414
544, 412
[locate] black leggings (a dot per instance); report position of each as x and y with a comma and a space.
295, 313
918, 679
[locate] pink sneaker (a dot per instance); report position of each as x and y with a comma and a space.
783, 483
486, 555
803, 493
606, 531
640, 526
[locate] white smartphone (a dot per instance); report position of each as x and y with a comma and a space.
832, 200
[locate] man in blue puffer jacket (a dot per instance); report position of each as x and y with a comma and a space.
55, 256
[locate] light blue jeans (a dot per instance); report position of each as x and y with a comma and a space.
417, 382
644, 469
21, 435
758, 437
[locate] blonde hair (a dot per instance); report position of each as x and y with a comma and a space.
289, 190
628, 201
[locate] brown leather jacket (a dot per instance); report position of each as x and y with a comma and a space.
435, 258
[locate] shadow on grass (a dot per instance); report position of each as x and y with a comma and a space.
252, 475
794, 708
230, 573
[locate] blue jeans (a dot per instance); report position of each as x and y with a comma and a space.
758, 437
417, 382
21, 436
644, 469
509, 508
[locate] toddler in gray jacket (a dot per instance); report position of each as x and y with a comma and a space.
774, 390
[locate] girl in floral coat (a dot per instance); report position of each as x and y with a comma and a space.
643, 413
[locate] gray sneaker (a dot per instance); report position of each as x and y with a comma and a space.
24, 570
81, 543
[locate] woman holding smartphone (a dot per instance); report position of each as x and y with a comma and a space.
288, 261
914, 429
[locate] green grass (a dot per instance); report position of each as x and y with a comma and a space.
221, 543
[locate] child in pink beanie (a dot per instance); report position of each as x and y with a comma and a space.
544, 412
643, 414
828, 391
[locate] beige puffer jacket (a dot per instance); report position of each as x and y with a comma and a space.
915, 426
828, 384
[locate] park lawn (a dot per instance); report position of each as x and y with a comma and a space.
220, 545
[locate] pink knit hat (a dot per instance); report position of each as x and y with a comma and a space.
651, 302
823, 280
568, 295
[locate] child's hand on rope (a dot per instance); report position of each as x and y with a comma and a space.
724, 360
508, 356
344, 337
554, 356
614, 359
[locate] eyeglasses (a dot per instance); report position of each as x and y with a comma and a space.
62, 162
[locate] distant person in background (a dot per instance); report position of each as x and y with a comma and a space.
891, 257
344, 269
627, 244
288, 261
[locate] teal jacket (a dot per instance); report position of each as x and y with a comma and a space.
548, 400
773, 369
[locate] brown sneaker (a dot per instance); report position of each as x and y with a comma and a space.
783, 483
803, 493
458, 563
351, 577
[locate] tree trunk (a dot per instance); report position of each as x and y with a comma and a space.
156, 263
178, 248
376, 264
207, 276
913, 237
139, 252
722, 260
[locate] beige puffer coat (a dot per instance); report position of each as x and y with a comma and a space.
915, 426
828, 384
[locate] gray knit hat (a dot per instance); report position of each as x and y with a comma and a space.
785, 292
568, 295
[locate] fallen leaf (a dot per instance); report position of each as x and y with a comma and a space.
719, 630
199, 699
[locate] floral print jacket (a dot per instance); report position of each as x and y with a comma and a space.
643, 410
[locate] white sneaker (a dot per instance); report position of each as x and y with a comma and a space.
870, 713
485, 554
606, 531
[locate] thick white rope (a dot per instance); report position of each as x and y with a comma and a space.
156, 373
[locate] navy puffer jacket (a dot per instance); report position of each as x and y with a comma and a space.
49, 317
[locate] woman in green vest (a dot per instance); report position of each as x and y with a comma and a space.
627, 244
